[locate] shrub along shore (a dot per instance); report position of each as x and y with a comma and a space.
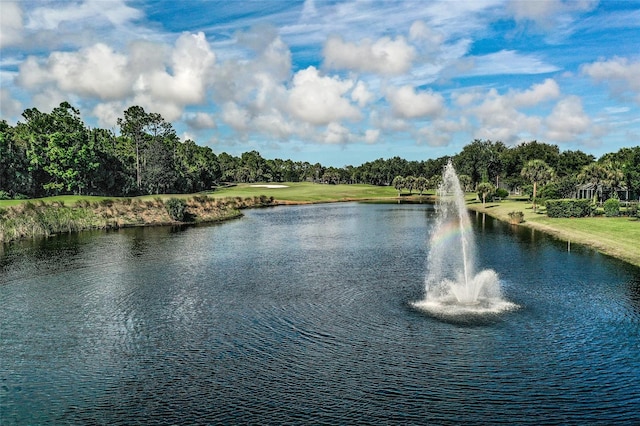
32, 219
614, 236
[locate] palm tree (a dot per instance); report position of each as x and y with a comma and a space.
484, 189
398, 184
607, 175
537, 171
410, 182
615, 177
465, 182
595, 174
422, 183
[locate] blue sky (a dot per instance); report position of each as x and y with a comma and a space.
335, 82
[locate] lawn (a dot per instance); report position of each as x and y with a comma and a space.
297, 192
68, 200
615, 236
302, 192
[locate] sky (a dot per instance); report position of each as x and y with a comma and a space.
335, 82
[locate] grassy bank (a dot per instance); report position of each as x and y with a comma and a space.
71, 213
615, 236
45, 217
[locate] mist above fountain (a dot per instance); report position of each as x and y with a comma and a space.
453, 287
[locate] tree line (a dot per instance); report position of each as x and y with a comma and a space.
57, 153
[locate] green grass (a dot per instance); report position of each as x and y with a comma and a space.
305, 192
615, 236
295, 192
68, 200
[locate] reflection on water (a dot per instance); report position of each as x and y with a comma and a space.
302, 315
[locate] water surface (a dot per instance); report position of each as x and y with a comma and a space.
304, 315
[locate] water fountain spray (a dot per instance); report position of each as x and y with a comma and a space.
452, 285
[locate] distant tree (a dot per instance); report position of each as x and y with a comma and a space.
14, 175
485, 189
158, 171
435, 181
134, 125
196, 166
465, 182
472, 160
514, 159
537, 172
398, 184
595, 174
422, 184
70, 153
571, 162
615, 176
410, 183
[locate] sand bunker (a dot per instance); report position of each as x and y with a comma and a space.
269, 186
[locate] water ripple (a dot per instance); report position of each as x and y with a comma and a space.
220, 325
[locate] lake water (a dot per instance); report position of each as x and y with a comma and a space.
303, 315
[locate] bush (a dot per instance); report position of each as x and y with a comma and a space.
632, 209
516, 217
177, 209
569, 208
502, 193
612, 207
549, 191
4, 195
485, 191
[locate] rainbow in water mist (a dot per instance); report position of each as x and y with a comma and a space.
447, 233
452, 287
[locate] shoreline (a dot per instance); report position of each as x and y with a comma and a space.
44, 220
604, 244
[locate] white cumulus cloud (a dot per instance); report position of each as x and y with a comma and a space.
361, 94
9, 107
318, 99
499, 115
336, 133
385, 56
408, 103
95, 71
621, 74
371, 135
548, 14
11, 24
191, 61
546, 90
200, 120
158, 77
235, 116
568, 121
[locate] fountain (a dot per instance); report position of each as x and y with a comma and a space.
453, 288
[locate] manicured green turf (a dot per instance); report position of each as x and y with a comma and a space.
71, 200
298, 192
309, 192
66, 199
615, 236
